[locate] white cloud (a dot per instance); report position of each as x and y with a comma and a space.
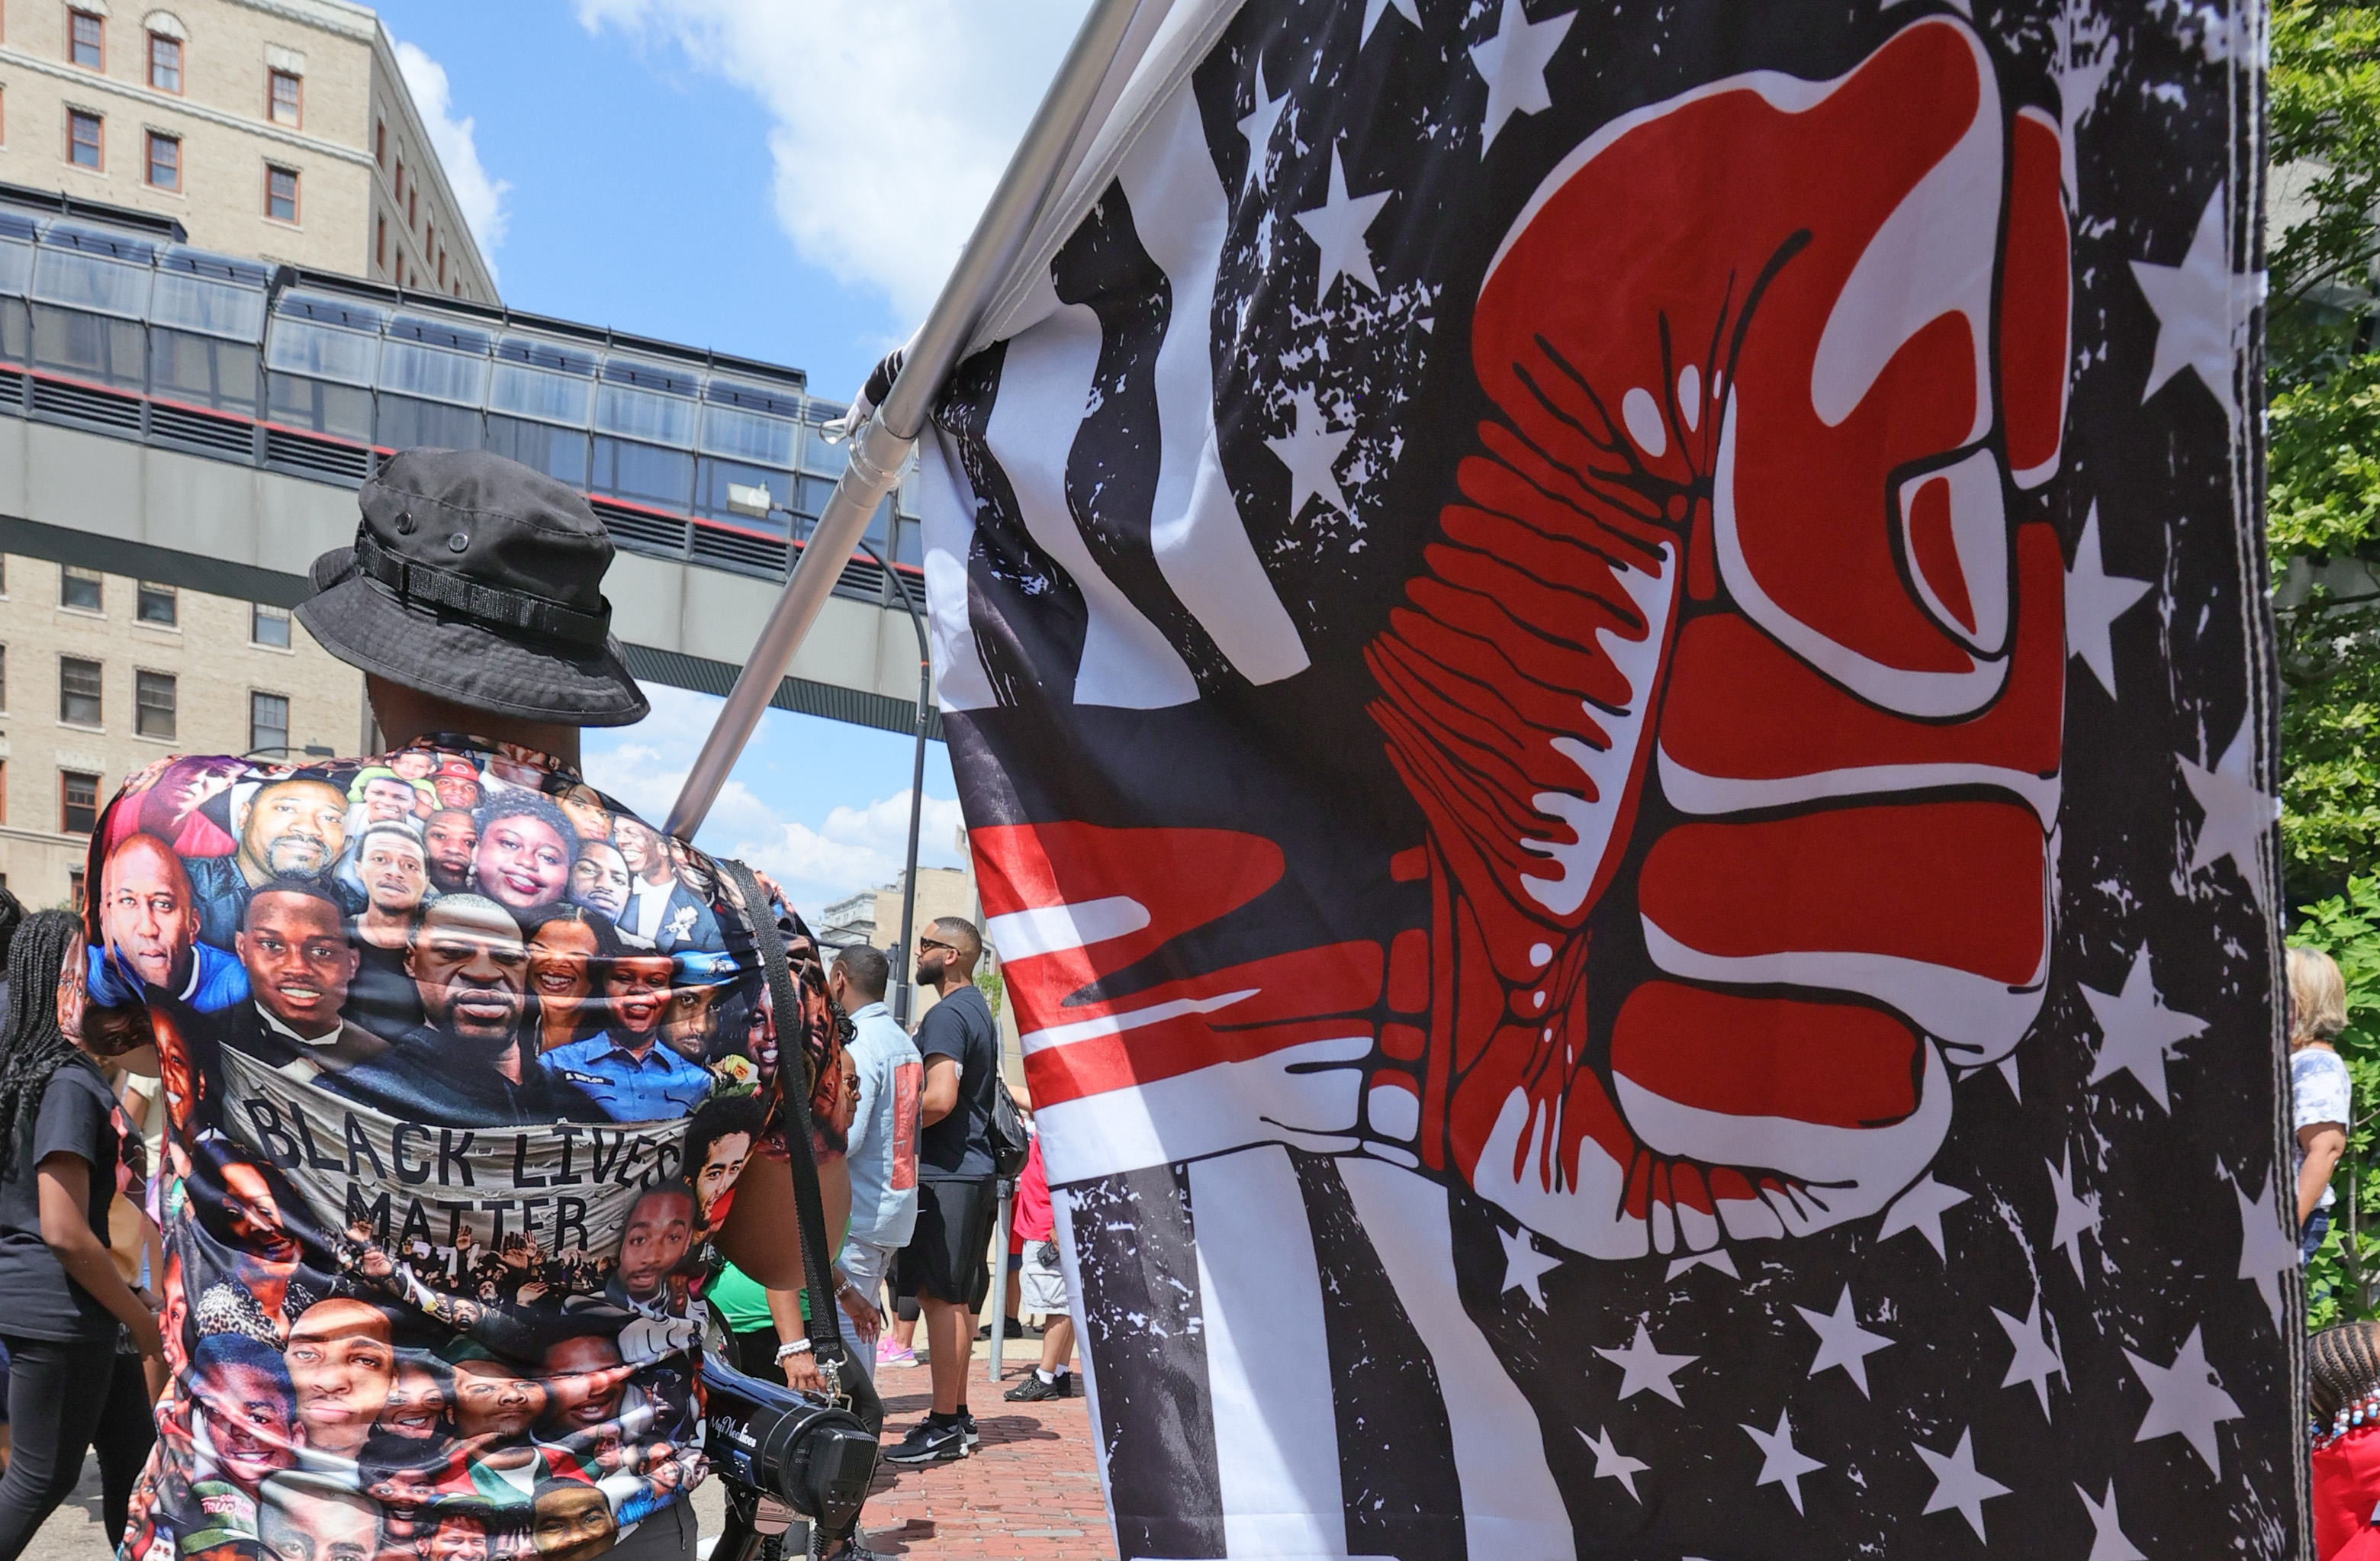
893, 118
480, 197
816, 860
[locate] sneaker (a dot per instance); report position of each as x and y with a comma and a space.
928, 1442
1033, 1388
890, 1352
966, 1423
1011, 1329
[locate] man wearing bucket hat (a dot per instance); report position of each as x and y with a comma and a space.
473, 600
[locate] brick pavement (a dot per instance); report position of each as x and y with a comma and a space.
1031, 1492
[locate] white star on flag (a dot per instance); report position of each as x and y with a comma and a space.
1718, 1257
2107, 1541
1513, 64
1525, 1265
2266, 1251
1257, 129
2203, 306
1920, 1209
2094, 600
1842, 1342
2139, 1032
2034, 1361
1956, 1484
1644, 1369
1375, 10
2185, 1400
1311, 451
1610, 1463
1780, 1462
2237, 815
1337, 227
2076, 1216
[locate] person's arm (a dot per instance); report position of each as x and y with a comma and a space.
941, 1096
762, 1234
64, 1184
2323, 1142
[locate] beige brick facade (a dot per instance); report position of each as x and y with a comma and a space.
215, 665
372, 197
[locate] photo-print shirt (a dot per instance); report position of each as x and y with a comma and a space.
462, 1061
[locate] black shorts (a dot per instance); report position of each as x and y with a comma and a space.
949, 1254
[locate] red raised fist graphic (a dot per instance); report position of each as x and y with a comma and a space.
1740, 657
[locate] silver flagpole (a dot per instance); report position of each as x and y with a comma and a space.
878, 449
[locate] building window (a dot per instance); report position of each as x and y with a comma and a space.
380, 142
157, 604
399, 184
268, 723
379, 243
84, 147
266, 626
412, 208
74, 886
164, 160
442, 268
78, 691
77, 813
164, 63
287, 93
281, 194
152, 703
80, 588
87, 39
3, 703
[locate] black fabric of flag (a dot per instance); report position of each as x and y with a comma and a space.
1608, 674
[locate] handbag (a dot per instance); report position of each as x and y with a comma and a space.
1011, 1145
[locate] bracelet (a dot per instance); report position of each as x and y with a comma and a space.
846, 1287
796, 1346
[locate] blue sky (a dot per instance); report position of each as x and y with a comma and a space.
783, 180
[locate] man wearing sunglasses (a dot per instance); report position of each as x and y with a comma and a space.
945, 1265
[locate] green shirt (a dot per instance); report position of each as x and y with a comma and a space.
740, 1302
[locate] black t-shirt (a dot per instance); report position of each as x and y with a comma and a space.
961, 1026
37, 1300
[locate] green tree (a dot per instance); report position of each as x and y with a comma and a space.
2323, 377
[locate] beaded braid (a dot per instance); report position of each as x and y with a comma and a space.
2343, 1376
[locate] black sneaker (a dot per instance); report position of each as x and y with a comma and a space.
1009, 1329
930, 1442
966, 1423
1033, 1388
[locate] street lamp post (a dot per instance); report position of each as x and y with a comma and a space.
917, 765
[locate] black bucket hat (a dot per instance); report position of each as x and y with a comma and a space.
478, 581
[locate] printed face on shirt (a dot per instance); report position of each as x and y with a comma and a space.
722, 1162
571, 1522
414, 763
395, 871
599, 880
452, 839
415, 1405
587, 1381
248, 1420
468, 963
387, 800
145, 912
253, 1212
686, 1026
299, 961
522, 861
456, 791
637, 985
493, 1400
303, 1522
341, 1362
586, 813
298, 826
460, 1538
659, 1228
559, 953
642, 851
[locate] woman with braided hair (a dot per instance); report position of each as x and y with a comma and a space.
2343, 1397
60, 1296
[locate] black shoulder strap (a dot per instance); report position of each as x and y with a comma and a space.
792, 1050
